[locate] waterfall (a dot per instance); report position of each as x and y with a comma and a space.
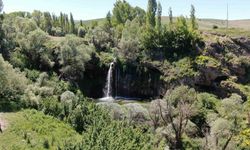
109, 79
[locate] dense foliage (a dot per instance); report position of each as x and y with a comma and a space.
50, 63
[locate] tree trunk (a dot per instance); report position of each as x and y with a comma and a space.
179, 144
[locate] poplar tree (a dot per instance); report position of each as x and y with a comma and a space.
62, 21
170, 15
72, 24
108, 18
1, 31
81, 23
47, 24
151, 12
159, 13
67, 24
194, 24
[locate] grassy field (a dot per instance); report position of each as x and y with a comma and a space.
30, 129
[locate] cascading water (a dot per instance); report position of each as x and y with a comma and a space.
108, 86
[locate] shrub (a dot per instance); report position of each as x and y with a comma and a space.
12, 86
207, 61
215, 27
116, 135
81, 32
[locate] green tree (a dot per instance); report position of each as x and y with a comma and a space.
1, 5
140, 15
2, 48
47, 22
151, 12
170, 15
101, 38
37, 16
33, 47
129, 43
159, 13
122, 12
81, 23
194, 24
228, 124
72, 24
73, 56
62, 21
67, 24
176, 111
108, 18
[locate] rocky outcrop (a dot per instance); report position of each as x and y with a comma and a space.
231, 54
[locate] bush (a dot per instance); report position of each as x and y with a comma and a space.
12, 86
81, 32
215, 27
116, 135
207, 61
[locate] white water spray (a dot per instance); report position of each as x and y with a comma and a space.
108, 86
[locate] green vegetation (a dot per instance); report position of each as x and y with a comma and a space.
207, 61
52, 66
31, 129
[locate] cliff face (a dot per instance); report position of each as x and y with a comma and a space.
233, 65
137, 81
220, 65
130, 81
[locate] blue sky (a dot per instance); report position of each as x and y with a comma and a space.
91, 9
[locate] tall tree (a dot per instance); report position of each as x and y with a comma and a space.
1, 5
67, 24
47, 24
72, 24
122, 12
176, 111
159, 13
62, 21
151, 12
37, 16
170, 15
140, 14
108, 18
81, 23
194, 24
5, 53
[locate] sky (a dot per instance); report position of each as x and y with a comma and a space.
93, 9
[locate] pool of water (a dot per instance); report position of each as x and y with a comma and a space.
123, 100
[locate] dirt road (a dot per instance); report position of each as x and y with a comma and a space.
3, 122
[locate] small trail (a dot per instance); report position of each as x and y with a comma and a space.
3, 122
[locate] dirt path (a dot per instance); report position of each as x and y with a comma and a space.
3, 122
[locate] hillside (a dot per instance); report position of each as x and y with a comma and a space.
30, 129
132, 81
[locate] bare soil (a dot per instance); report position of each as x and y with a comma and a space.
3, 122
